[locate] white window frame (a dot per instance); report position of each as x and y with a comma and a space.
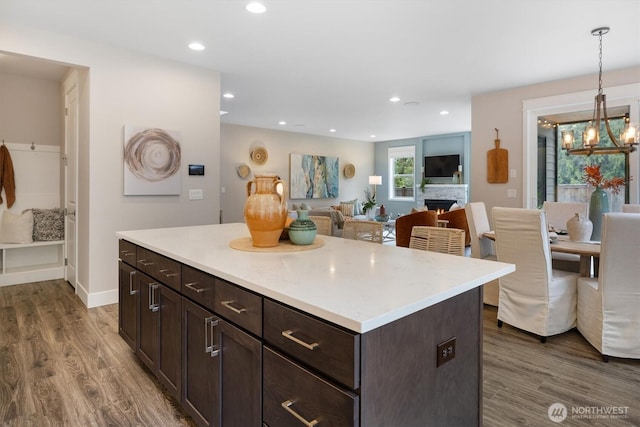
400, 153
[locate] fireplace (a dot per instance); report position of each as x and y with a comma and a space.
440, 205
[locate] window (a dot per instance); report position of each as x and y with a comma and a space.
570, 169
402, 162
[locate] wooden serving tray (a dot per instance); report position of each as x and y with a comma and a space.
246, 244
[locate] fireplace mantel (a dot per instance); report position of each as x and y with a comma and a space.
458, 192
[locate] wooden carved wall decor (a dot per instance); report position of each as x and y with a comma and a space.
497, 163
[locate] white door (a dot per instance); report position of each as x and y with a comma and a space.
70, 175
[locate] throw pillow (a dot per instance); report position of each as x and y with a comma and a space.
48, 224
346, 209
17, 228
357, 208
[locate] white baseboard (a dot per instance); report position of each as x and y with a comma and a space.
96, 299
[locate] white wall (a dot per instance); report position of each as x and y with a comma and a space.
238, 141
504, 110
119, 87
31, 112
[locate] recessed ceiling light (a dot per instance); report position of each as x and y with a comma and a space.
229, 95
394, 99
196, 46
444, 112
372, 136
256, 7
282, 123
222, 112
332, 130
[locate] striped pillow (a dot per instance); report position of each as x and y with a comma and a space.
346, 209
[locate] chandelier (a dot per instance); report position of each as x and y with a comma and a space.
628, 138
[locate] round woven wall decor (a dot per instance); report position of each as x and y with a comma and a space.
349, 171
259, 155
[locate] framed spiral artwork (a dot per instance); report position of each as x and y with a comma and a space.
151, 161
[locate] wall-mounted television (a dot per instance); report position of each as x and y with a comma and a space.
441, 166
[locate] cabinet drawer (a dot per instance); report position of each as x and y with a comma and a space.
239, 306
324, 347
198, 286
127, 252
159, 267
291, 394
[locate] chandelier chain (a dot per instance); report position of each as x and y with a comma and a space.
600, 65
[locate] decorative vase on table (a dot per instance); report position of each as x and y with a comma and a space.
302, 231
265, 210
579, 228
598, 205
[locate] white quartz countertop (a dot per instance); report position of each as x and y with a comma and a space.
357, 285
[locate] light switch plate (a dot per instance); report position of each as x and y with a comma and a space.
511, 193
196, 194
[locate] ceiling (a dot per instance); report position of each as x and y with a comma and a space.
334, 64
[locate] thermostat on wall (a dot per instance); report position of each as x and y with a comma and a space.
196, 169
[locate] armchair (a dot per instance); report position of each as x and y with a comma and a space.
405, 223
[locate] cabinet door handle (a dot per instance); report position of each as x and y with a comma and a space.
287, 406
126, 253
153, 305
193, 288
164, 271
209, 324
131, 290
145, 262
229, 305
289, 334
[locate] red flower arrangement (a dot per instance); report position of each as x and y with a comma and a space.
594, 177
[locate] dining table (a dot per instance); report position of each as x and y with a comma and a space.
589, 251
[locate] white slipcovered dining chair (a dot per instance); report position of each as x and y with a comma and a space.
609, 305
558, 213
630, 208
535, 297
481, 247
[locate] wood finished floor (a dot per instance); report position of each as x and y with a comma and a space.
61, 364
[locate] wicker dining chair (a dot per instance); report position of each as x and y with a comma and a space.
323, 224
438, 239
370, 231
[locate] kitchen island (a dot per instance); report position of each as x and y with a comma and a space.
350, 333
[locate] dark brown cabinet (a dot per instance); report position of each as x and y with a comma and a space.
128, 306
241, 377
235, 358
201, 361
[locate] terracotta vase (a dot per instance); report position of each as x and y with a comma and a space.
265, 211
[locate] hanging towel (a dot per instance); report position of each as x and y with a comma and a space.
7, 180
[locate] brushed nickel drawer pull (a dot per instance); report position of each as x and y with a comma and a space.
164, 271
144, 262
289, 334
193, 288
126, 253
287, 406
209, 347
153, 305
131, 290
232, 308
